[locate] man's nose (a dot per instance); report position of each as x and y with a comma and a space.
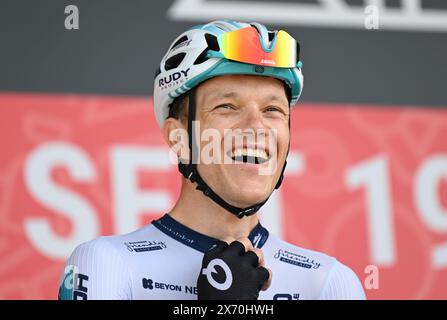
253, 119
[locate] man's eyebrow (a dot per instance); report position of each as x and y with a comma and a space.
222, 95
232, 94
274, 97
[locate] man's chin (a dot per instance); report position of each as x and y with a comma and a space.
249, 198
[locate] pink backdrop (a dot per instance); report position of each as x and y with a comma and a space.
366, 184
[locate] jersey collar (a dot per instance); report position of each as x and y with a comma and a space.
169, 226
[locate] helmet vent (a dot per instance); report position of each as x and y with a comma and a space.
174, 61
212, 42
202, 57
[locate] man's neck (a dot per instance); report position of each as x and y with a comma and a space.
199, 213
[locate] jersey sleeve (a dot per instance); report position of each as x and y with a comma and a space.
95, 271
342, 284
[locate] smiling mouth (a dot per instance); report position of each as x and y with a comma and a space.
249, 155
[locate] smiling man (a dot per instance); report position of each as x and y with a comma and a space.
234, 82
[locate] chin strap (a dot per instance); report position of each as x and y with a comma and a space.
189, 171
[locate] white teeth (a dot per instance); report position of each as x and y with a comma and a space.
262, 154
249, 152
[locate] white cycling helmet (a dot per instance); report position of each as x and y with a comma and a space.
196, 56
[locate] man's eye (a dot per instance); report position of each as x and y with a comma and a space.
224, 106
273, 109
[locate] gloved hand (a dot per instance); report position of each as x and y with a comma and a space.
233, 272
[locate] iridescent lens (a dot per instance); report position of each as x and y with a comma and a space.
244, 45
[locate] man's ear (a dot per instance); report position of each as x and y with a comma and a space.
176, 136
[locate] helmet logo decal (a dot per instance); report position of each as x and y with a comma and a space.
173, 78
181, 45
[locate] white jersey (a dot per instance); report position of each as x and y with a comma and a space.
163, 260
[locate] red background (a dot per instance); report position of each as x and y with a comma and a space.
318, 208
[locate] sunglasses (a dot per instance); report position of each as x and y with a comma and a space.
245, 45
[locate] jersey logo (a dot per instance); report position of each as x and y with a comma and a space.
151, 284
211, 268
74, 285
148, 284
143, 246
296, 259
257, 240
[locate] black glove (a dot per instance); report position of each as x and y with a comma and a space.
230, 273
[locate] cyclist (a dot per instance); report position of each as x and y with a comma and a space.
235, 82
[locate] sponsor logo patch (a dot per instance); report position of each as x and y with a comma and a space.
296, 259
144, 246
150, 284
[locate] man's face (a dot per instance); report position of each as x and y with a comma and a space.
256, 110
